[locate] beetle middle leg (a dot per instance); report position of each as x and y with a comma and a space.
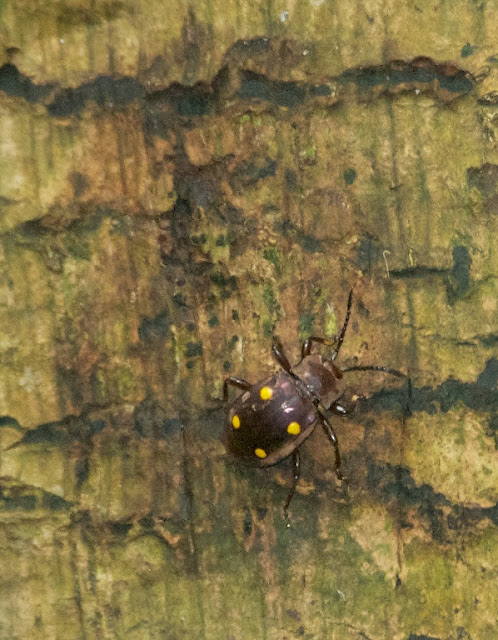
234, 382
296, 463
330, 433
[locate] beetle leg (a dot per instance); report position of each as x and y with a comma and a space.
306, 348
341, 410
307, 344
296, 461
340, 338
329, 430
279, 355
235, 382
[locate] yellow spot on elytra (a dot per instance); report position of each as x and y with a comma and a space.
266, 393
294, 428
236, 422
261, 453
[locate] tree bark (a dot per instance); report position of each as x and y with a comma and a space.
178, 183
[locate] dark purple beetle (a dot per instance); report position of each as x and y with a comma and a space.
273, 417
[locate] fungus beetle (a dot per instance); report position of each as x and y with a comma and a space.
272, 418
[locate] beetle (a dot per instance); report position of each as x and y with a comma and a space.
273, 417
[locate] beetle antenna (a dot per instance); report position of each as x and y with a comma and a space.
340, 339
393, 372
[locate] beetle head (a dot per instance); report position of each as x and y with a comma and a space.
322, 377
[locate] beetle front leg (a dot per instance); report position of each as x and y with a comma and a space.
308, 343
279, 355
234, 382
329, 430
296, 461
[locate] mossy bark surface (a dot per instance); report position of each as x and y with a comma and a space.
179, 182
